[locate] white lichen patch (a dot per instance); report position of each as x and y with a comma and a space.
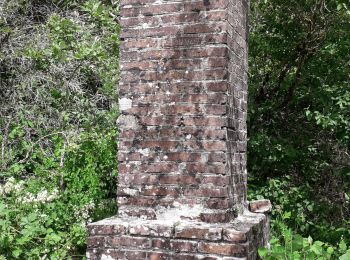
106, 257
125, 104
179, 212
144, 152
131, 192
145, 25
128, 122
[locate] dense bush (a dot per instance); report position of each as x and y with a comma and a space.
58, 72
298, 153
287, 245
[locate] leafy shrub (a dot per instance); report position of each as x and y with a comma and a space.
291, 246
45, 215
58, 77
298, 120
298, 209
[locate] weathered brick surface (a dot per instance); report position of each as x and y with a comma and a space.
183, 99
182, 142
155, 239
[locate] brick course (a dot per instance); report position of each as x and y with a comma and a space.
166, 239
182, 142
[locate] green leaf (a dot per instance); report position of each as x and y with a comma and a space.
287, 215
296, 256
317, 248
310, 240
342, 246
17, 252
330, 250
311, 256
262, 252
345, 256
54, 237
297, 242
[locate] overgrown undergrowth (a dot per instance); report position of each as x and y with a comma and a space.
58, 77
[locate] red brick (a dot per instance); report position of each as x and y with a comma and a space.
186, 257
160, 144
217, 203
164, 167
211, 192
135, 255
183, 41
158, 256
178, 179
160, 191
135, 2
95, 241
129, 12
163, 244
198, 232
214, 146
218, 168
260, 206
183, 157
216, 180
161, 9
149, 32
232, 235
217, 86
183, 246
128, 241
217, 157
138, 229
144, 213
222, 249
139, 65
138, 179
219, 217
205, 28
206, 5
182, 110
139, 201
215, 110
100, 229
139, 44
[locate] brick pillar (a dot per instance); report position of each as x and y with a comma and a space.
182, 143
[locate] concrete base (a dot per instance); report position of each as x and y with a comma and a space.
133, 239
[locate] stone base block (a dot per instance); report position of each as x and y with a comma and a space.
133, 239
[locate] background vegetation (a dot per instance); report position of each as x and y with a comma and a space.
58, 78
299, 122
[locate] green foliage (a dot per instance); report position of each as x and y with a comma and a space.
46, 214
298, 150
293, 204
58, 77
287, 245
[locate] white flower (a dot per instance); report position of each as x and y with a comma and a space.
42, 197
9, 185
84, 212
83, 224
